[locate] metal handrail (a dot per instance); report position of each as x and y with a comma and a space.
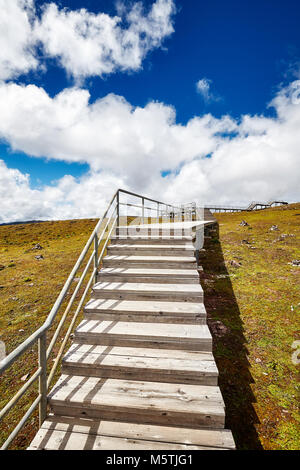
40, 335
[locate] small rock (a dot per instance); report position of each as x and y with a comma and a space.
296, 262
244, 223
235, 264
246, 242
2, 267
218, 328
257, 360
25, 377
37, 247
21, 330
274, 227
281, 238
38, 257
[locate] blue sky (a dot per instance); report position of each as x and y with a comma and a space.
199, 90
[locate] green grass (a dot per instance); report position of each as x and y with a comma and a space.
260, 304
29, 288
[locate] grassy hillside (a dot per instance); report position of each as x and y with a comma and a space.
253, 301
28, 290
253, 307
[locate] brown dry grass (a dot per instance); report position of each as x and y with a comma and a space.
259, 303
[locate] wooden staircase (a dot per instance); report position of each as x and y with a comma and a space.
140, 373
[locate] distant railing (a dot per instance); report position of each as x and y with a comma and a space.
254, 205
110, 220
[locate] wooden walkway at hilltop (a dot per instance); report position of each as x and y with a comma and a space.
140, 373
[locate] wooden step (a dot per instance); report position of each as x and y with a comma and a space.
145, 311
132, 261
151, 250
169, 276
134, 364
68, 433
152, 240
177, 405
148, 291
155, 335
136, 231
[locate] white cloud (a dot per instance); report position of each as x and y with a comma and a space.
108, 134
17, 53
87, 44
84, 43
130, 146
203, 87
68, 198
256, 157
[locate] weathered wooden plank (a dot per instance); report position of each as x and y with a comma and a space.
168, 276
156, 335
141, 352
221, 438
154, 330
185, 273
133, 367
151, 291
146, 402
186, 262
64, 440
156, 250
148, 318
146, 307
145, 311
152, 240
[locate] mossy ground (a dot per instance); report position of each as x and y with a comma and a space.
258, 303
28, 290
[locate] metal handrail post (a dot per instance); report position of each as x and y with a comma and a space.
96, 244
118, 208
42, 348
143, 210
